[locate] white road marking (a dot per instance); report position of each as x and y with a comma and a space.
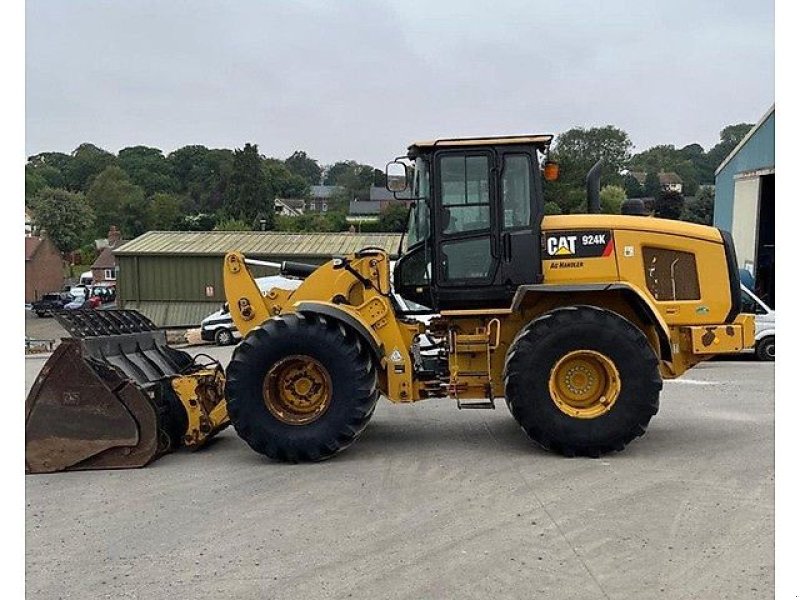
693, 381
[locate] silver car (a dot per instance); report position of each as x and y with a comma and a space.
765, 324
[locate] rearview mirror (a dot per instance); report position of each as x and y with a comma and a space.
396, 176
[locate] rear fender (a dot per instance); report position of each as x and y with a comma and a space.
641, 305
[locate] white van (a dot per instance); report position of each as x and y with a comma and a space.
218, 327
86, 279
765, 324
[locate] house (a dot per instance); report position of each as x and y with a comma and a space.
104, 268
322, 198
670, 182
44, 267
364, 211
744, 203
290, 207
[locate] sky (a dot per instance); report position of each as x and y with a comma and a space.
361, 80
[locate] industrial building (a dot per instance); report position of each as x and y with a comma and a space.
175, 277
744, 203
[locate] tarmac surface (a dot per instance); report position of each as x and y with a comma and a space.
432, 502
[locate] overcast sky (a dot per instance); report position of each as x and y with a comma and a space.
361, 80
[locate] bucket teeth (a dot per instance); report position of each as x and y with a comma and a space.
104, 398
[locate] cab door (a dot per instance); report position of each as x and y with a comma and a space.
520, 216
467, 257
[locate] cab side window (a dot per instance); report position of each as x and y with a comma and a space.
515, 191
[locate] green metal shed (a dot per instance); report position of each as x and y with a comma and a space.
175, 277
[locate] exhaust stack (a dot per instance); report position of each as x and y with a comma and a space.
593, 188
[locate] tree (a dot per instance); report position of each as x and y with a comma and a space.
282, 183
165, 212
669, 205
66, 217
394, 218
87, 162
652, 185
632, 187
301, 164
248, 196
701, 208
232, 225
729, 137
578, 149
148, 168
551, 208
197, 222
611, 199
203, 175
353, 177
117, 201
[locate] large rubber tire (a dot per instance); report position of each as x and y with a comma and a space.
765, 349
539, 347
349, 364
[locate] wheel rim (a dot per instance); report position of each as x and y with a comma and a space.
584, 384
224, 338
297, 390
770, 350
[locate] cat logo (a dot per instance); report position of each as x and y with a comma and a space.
561, 245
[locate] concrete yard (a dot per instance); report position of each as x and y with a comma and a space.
433, 502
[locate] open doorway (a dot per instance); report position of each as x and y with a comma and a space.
765, 242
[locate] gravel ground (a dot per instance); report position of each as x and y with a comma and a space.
433, 502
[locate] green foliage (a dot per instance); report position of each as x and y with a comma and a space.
165, 212
203, 175
115, 200
302, 165
578, 149
248, 197
700, 209
611, 199
669, 205
652, 185
197, 222
309, 222
633, 189
88, 161
551, 208
148, 168
394, 218
282, 183
66, 217
232, 225
353, 177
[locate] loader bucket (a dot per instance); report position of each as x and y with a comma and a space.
103, 399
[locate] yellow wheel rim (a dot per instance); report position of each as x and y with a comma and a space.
584, 384
297, 390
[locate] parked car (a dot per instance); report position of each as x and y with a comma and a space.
103, 293
765, 324
79, 301
50, 302
218, 327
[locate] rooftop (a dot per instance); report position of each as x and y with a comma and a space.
535, 139
257, 243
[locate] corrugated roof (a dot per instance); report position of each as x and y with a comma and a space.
257, 243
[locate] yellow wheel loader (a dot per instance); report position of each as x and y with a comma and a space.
574, 319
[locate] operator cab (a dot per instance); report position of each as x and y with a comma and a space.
475, 223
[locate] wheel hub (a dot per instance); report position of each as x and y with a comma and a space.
297, 390
584, 384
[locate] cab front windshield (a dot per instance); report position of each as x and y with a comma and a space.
418, 221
